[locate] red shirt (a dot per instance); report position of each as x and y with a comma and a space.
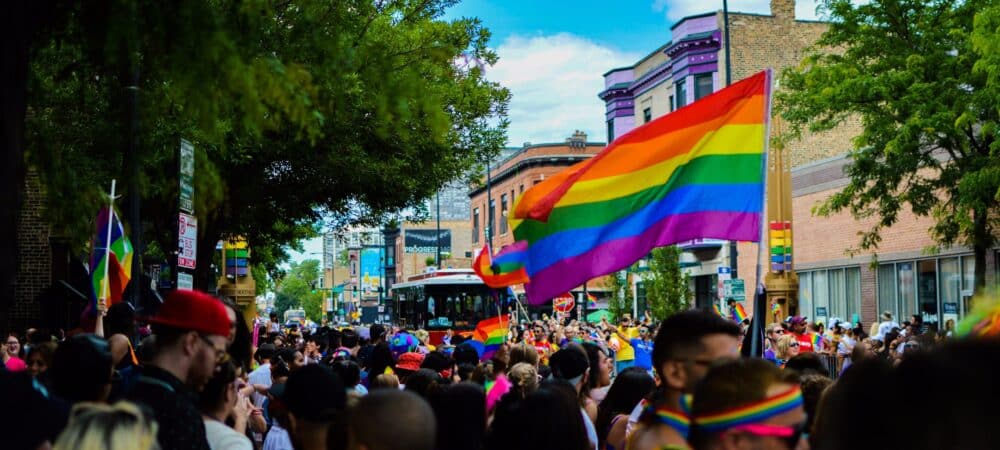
805, 342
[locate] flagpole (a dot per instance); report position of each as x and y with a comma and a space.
756, 331
101, 307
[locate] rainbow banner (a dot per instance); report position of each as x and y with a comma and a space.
739, 314
492, 333
110, 259
504, 269
694, 173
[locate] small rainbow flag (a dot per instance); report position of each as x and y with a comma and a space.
492, 333
503, 270
817, 341
591, 301
718, 311
695, 173
739, 314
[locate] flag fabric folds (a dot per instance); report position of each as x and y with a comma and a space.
118, 260
504, 269
694, 173
739, 313
491, 333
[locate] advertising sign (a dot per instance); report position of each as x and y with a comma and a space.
422, 241
371, 269
187, 241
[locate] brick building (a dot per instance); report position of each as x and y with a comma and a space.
518, 172
833, 282
415, 246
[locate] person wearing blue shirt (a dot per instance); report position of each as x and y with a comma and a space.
643, 349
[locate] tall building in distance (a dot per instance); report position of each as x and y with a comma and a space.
454, 201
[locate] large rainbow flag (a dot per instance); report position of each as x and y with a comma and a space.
504, 269
693, 173
492, 333
118, 260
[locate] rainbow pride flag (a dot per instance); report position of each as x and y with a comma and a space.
117, 260
591, 301
739, 314
694, 173
504, 269
492, 333
817, 342
718, 311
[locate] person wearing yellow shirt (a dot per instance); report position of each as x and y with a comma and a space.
625, 357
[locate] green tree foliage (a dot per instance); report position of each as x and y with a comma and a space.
620, 301
923, 81
300, 289
298, 110
667, 287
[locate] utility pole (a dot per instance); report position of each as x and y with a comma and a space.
438, 234
733, 251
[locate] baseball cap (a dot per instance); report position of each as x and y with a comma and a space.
569, 364
195, 311
314, 393
410, 361
798, 320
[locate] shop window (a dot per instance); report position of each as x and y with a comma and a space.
702, 85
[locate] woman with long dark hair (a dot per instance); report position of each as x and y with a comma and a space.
460, 410
629, 388
547, 419
380, 360
600, 376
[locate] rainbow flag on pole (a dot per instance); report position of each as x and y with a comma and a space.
695, 173
504, 269
492, 333
591, 301
110, 259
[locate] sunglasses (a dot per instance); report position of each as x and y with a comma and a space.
789, 435
794, 344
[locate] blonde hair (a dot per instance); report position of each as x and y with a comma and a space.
386, 380
782, 345
524, 376
523, 353
96, 426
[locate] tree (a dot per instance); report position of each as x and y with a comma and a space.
924, 86
620, 301
667, 287
299, 289
296, 109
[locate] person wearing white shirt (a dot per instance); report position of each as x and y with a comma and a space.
885, 326
218, 401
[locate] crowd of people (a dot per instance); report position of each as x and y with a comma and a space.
199, 377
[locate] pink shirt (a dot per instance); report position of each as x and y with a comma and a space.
15, 364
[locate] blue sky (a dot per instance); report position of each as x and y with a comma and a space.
553, 53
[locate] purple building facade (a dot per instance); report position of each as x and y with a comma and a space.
689, 71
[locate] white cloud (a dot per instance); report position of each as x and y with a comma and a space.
678, 9
554, 82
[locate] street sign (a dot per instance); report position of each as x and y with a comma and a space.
187, 177
185, 281
735, 290
187, 241
725, 274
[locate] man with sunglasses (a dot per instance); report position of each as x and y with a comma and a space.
765, 412
190, 329
687, 344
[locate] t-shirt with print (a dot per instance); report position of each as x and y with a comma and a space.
805, 342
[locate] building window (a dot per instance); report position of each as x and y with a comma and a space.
936, 289
521, 189
647, 115
702, 85
681, 93
829, 293
492, 225
503, 213
475, 226
671, 101
611, 130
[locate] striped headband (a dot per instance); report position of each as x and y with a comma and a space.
752, 413
678, 420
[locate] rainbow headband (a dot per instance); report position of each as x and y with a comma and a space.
751, 413
678, 420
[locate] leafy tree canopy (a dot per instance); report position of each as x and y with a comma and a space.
922, 77
667, 287
299, 110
